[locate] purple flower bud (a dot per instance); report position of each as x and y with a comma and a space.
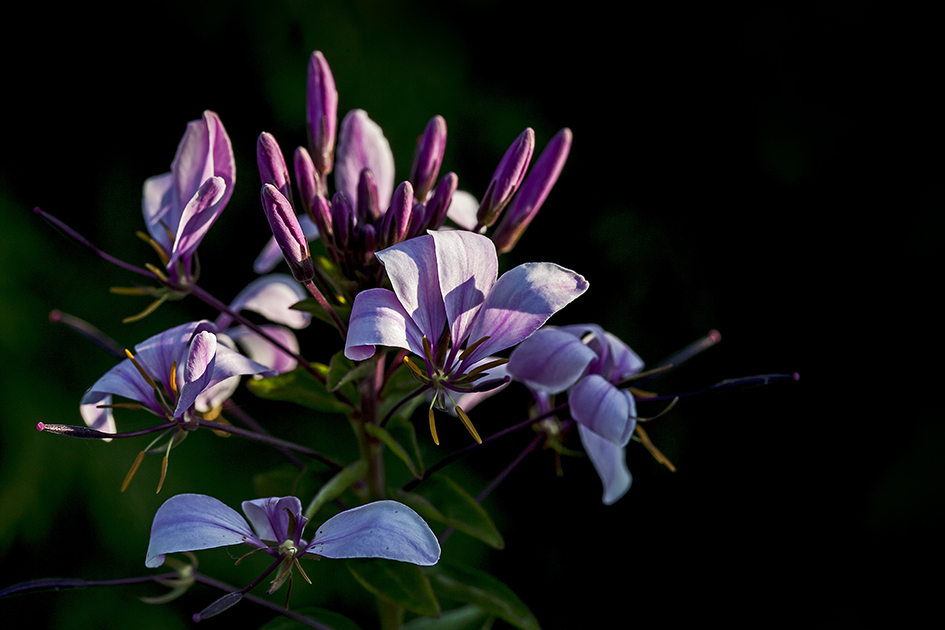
429, 157
285, 227
309, 183
368, 209
342, 220
367, 243
439, 201
272, 167
507, 177
534, 190
322, 112
398, 216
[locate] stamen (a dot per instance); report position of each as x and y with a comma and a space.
164, 467
302, 571
156, 271
417, 372
134, 469
153, 307
662, 413
644, 439
428, 350
470, 348
468, 424
249, 553
474, 373
436, 440
154, 245
140, 369
132, 290
173, 378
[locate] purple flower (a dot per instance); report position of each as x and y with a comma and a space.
448, 308
180, 206
180, 372
590, 363
382, 529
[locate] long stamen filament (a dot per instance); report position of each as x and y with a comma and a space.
436, 440
468, 424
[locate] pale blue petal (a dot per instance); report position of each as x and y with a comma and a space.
462, 210
100, 419
603, 409
610, 461
361, 145
161, 214
383, 529
272, 296
188, 522
263, 351
467, 267
198, 370
521, 301
412, 269
551, 360
379, 319
270, 518
196, 219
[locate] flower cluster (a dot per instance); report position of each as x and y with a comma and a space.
410, 281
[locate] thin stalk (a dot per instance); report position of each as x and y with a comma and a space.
323, 302
271, 441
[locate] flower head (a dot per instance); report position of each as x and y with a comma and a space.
175, 374
180, 206
590, 363
448, 307
382, 529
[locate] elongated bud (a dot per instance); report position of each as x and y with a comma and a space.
368, 208
312, 193
272, 167
534, 190
321, 113
437, 205
342, 220
507, 178
285, 227
397, 218
429, 157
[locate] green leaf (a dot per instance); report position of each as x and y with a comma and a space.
401, 384
336, 485
465, 618
442, 500
472, 586
285, 480
400, 582
342, 370
311, 305
330, 618
299, 386
379, 433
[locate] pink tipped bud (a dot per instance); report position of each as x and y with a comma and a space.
40, 426
285, 227
507, 178
429, 157
534, 190
321, 113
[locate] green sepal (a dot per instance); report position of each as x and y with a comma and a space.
329, 618
472, 586
400, 582
343, 480
342, 370
300, 387
465, 618
443, 501
381, 434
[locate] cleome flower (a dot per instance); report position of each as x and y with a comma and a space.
590, 363
448, 308
382, 529
180, 206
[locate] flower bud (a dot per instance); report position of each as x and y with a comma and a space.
368, 209
310, 189
285, 227
321, 113
507, 177
439, 201
272, 167
533, 192
396, 220
429, 157
342, 221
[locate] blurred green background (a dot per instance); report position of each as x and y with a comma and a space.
767, 172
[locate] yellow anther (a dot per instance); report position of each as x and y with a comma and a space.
468, 424
173, 378
644, 439
436, 440
140, 369
134, 469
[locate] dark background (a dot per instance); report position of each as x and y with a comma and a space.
771, 172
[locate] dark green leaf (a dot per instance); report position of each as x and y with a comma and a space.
441, 500
342, 370
379, 433
284, 481
311, 305
465, 618
400, 582
300, 387
336, 485
401, 384
465, 584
